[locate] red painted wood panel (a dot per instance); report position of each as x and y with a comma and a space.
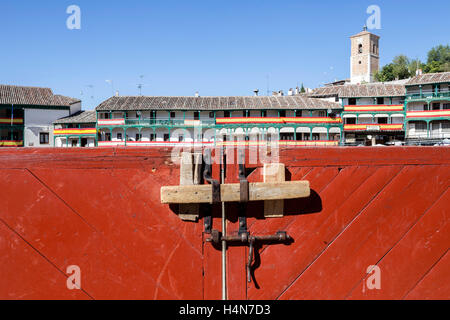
416, 253
434, 285
371, 235
100, 209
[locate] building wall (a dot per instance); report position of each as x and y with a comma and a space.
364, 65
40, 120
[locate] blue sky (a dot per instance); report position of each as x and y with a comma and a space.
214, 47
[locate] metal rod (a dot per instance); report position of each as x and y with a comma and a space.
224, 232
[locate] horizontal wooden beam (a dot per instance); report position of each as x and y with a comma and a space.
259, 191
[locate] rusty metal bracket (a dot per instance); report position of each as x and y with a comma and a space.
244, 195
215, 198
251, 241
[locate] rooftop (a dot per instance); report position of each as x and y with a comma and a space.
361, 90
80, 117
35, 96
429, 78
214, 103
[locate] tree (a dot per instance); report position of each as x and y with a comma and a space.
302, 90
400, 66
386, 73
438, 59
414, 65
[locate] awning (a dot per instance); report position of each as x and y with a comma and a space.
335, 130
398, 115
319, 130
381, 116
287, 130
349, 116
304, 129
365, 116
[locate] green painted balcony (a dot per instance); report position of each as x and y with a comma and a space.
430, 96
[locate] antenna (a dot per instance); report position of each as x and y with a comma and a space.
92, 88
140, 85
111, 82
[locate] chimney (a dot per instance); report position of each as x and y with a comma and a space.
280, 93
290, 92
256, 92
117, 93
197, 94
297, 90
419, 72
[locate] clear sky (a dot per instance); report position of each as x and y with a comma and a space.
214, 47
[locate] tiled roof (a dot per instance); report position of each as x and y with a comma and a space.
361, 90
215, 103
429, 78
32, 96
79, 117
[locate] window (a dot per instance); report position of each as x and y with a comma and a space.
119, 136
380, 100
360, 48
446, 106
446, 126
263, 113
322, 114
374, 48
282, 113
352, 101
420, 126
211, 114
172, 115
138, 137
382, 120
436, 106
226, 114
244, 113
180, 138
152, 137
107, 136
166, 137
287, 136
350, 120
298, 113
43, 138
153, 114
196, 115
316, 136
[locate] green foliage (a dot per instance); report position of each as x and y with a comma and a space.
402, 67
302, 90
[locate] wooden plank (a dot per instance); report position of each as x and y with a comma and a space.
188, 211
230, 192
371, 234
274, 172
405, 265
432, 285
312, 232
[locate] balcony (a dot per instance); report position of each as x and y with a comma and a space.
428, 114
373, 108
156, 122
428, 96
276, 120
9, 121
75, 132
11, 144
373, 127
